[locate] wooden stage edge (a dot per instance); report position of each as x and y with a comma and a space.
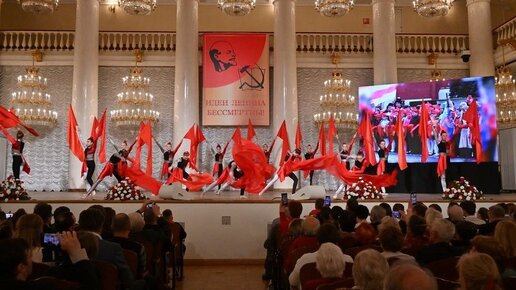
233, 197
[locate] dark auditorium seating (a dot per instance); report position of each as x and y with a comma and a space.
108, 275
53, 283
345, 283
131, 259
309, 272
445, 269
39, 270
353, 252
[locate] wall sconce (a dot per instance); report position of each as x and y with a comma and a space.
112, 8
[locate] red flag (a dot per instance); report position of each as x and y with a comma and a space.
250, 130
365, 130
74, 142
331, 133
283, 134
11, 139
196, 137
101, 133
299, 136
237, 136
143, 180
402, 156
94, 129
9, 119
471, 116
144, 137
423, 131
321, 143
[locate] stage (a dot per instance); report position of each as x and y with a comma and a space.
225, 228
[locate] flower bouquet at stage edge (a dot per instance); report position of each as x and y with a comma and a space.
125, 190
12, 189
363, 190
462, 190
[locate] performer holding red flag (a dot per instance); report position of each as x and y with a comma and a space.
444, 158
310, 154
17, 152
89, 156
218, 167
168, 157
383, 154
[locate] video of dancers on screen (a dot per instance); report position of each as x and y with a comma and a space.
447, 104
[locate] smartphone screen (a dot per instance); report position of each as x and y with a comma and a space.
50, 239
8, 215
284, 198
413, 198
327, 201
396, 214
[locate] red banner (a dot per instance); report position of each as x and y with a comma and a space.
235, 80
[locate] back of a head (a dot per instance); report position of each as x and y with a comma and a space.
365, 234
167, 214
483, 213
389, 221
325, 214
387, 208
295, 228
137, 222
478, 271
65, 221
466, 230
369, 270
362, 212
408, 276
455, 213
310, 226
391, 239
351, 204
91, 219
89, 242
417, 226
347, 221
30, 228
329, 260
377, 213
487, 245
295, 208
13, 252
328, 233
469, 207
44, 210
431, 215
398, 207
319, 203
6, 230
149, 216
337, 212
60, 210
436, 207
121, 223
419, 209
443, 230
505, 234
496, 212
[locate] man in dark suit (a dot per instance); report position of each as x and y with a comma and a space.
442, 232
121, 228
92, 220
495, 214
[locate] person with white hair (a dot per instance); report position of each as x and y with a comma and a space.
455, 214
408, 276
442, 232
431, 215
330, 262
369, 270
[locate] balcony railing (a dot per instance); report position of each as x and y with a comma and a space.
166, 41
506, 31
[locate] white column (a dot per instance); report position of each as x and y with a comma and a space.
480, 38
186, 90
384, 40
85, 77
285, 105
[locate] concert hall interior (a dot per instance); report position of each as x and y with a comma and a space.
224, 111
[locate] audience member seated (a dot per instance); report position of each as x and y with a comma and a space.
327, 233
295, 230
505, 234
109, 215
330, 262
388, 221
441, 233
377, 213
469, 207
351, 208
418, 209
65, 222
455, 214
347, 221
44, 210
319, 203
152, 231
30, 228
431, 215
478, 271
287, 213
6, 230
169, 219
309, 237
436, 207
408, 276
16, 216
464, 232
482, 214
16, 265
490, 246
324, 215
495, 214
391, 240
137, 224
92, 220
361, 213
387, 208
336, 214
369, 270
365, 234
121, 228
416, 233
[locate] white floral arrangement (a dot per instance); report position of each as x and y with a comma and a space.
462, 190
363, 190
12, 189
125, 190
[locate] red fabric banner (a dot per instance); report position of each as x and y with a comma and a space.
402, 155
8, 119
423, 131
471, 116
74, 142
102, 135
299, 136
283, 134
366, 131
321, 143
250, 130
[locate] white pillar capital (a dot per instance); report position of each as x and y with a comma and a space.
480, 38
472, 2
382, 1
275, 1
384, 39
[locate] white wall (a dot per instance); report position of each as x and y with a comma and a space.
507, 139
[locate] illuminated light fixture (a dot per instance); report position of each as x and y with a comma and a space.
337, 100
435, 75
138, 7
236, 7
39, 6
135, 103
30, 101
334, 8
431, 8
505, 87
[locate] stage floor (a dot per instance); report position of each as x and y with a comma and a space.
233, 197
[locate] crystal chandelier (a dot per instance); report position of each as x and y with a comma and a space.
30, 101
39, 6
334, 8
505, 96
337, 100
135, 103
431, 8
138, 7
236, 7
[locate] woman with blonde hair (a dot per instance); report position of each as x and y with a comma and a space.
30, 228
478, 271
369, 270
505, 234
